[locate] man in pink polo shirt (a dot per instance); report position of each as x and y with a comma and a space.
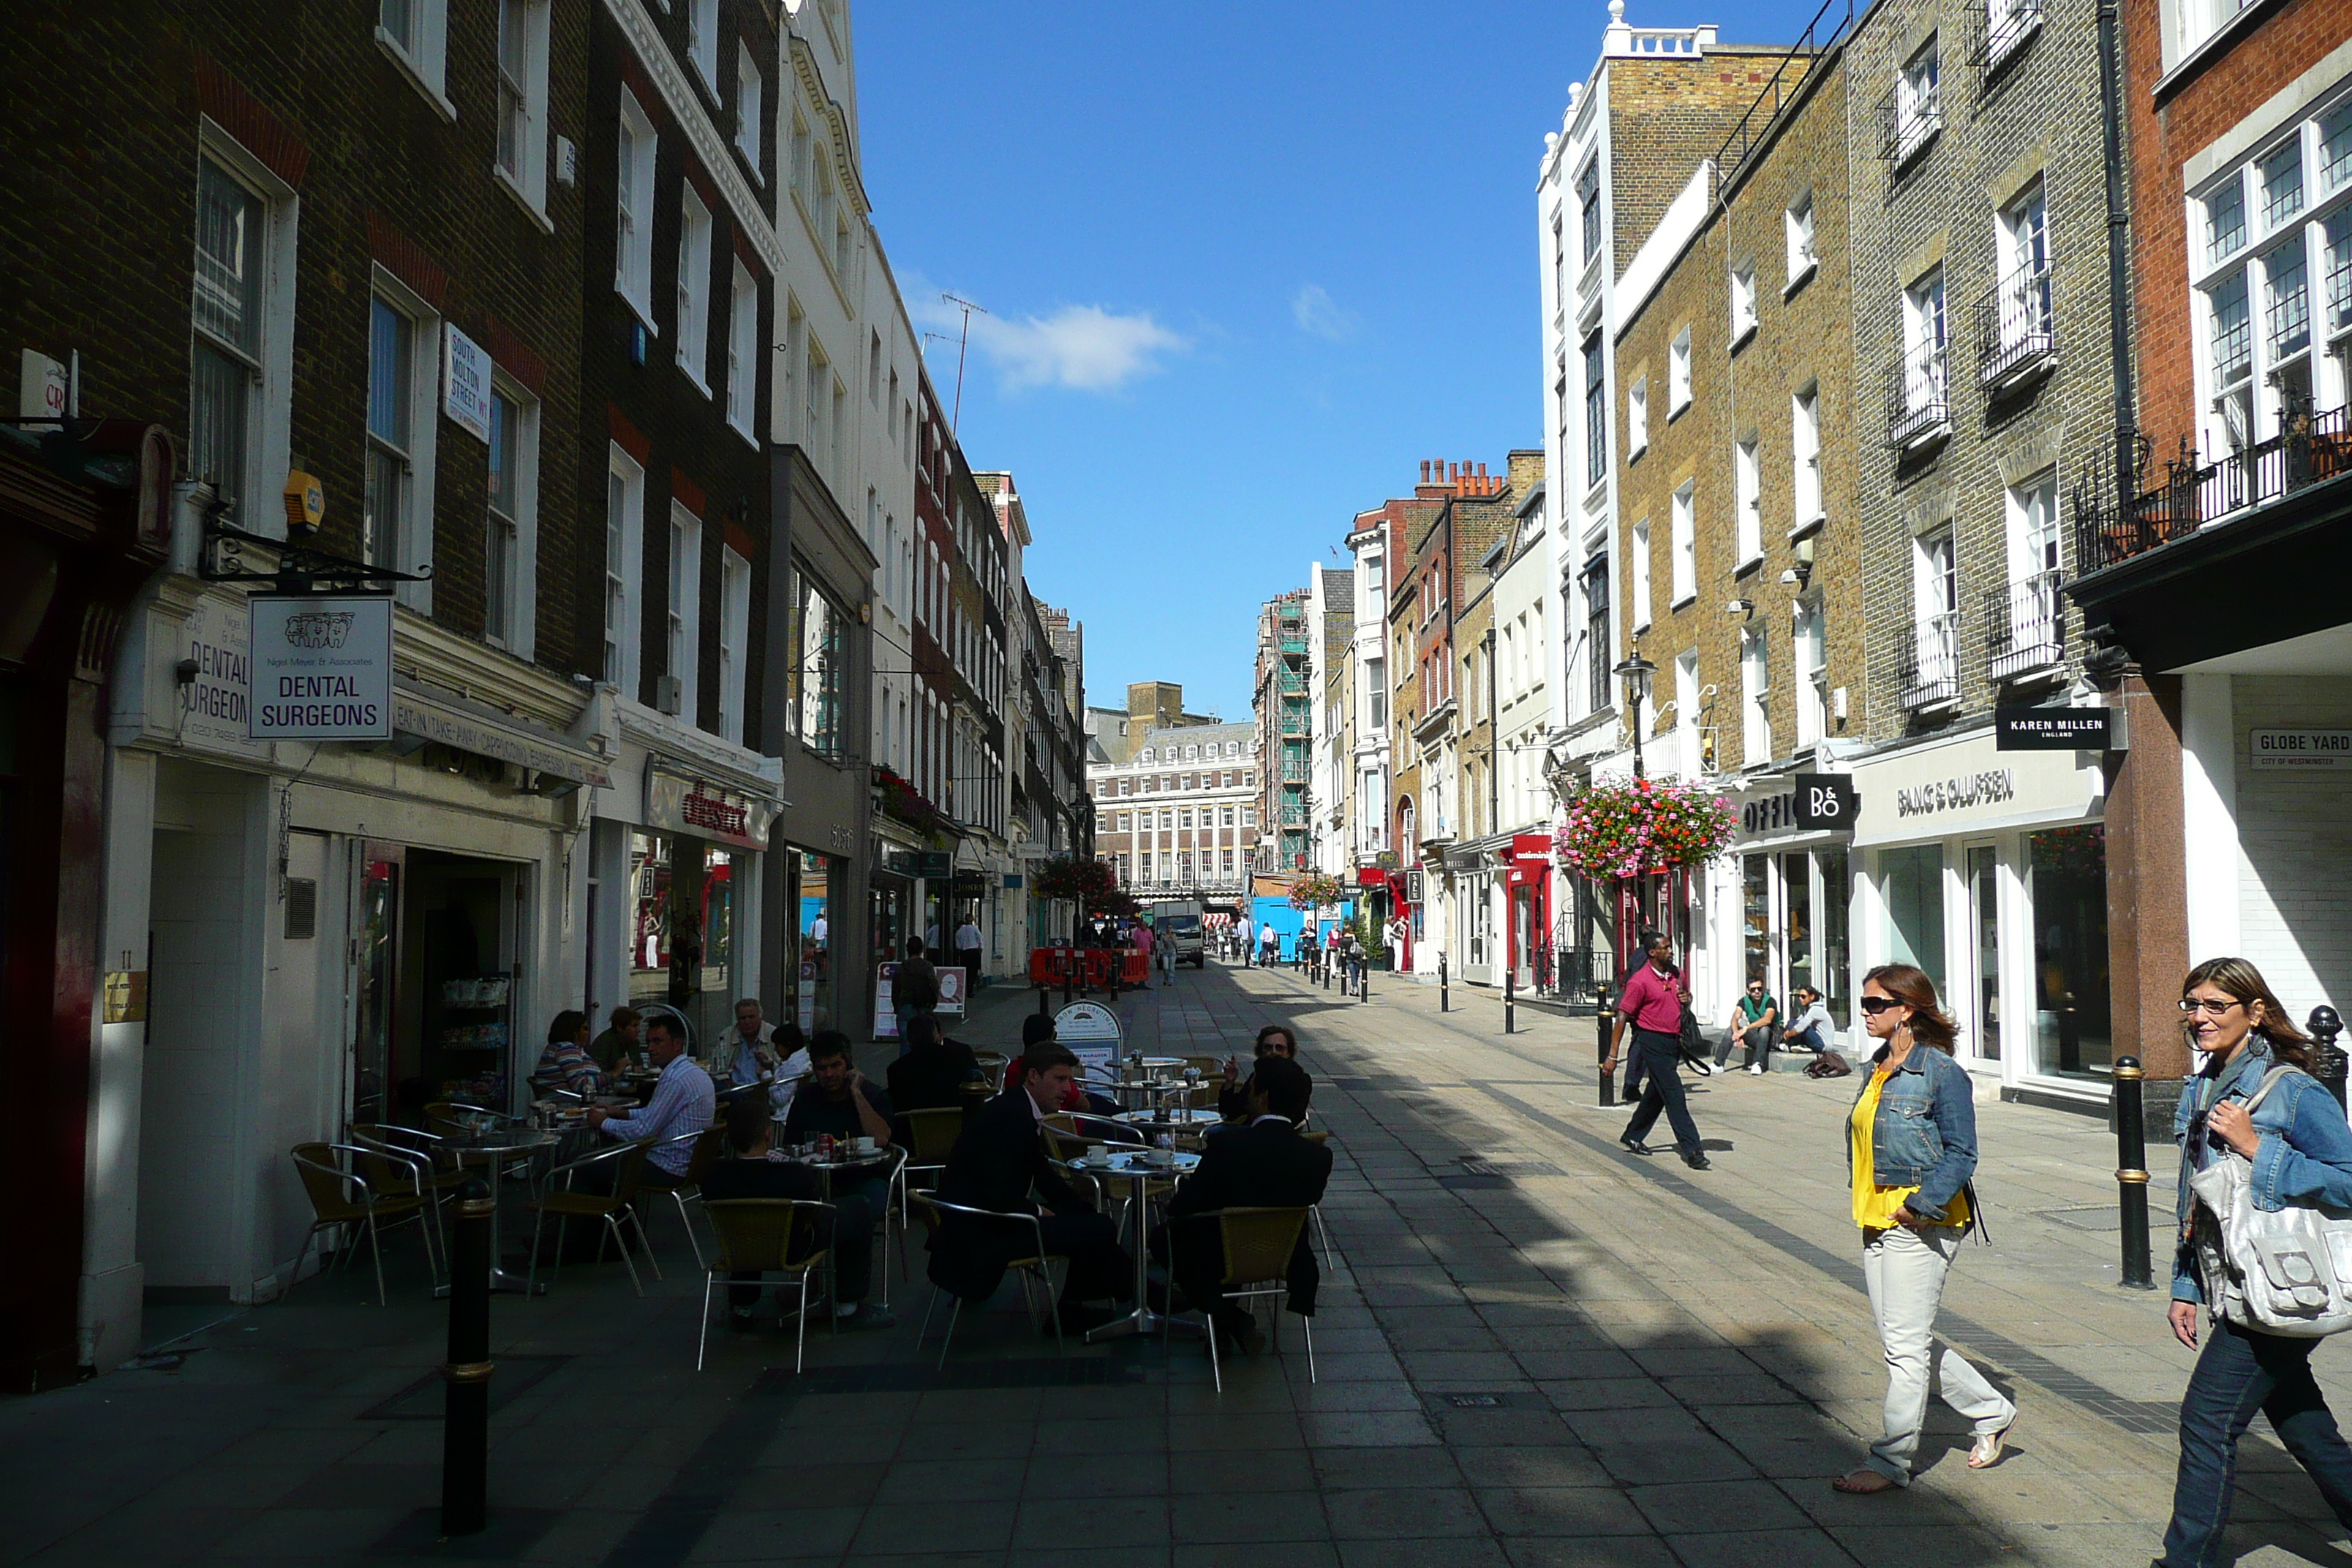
1652, 1005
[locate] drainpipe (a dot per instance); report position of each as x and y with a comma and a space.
2111, 103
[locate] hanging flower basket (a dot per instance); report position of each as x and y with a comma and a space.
1314, 890
1632, 829
1086, 882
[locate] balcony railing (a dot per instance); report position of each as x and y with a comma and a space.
1917, 410
1787, 82
2312, 449
2006, 27
1929, 674
1908, 120
2016, 329
2025, 627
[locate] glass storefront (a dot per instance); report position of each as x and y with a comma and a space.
682, 940
1834, 973
1984, 925
1756, 918
2072, 1027
1914, 882
809, 958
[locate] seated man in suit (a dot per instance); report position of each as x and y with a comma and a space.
1266, 1164
933, 1073
1000, 1163
748, 1173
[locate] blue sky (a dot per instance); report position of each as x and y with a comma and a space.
1245, 266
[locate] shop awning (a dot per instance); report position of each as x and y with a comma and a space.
454, 722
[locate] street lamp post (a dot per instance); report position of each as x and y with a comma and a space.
1635, 672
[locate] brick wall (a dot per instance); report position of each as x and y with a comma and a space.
2166, 129
2037, 117
99, 223
725, 477
1665, 114
1743, 393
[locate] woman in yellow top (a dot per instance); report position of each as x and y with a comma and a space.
1911, 1148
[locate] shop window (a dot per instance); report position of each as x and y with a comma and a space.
1836, 953
2072, 1031
1913, 883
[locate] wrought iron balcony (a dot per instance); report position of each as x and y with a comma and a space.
2025, 627
2312, 449
2017, 334
1909, 120
1929, 673
2003, 31
1917, 409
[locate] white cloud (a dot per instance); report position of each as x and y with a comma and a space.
1315, 311
1084, 347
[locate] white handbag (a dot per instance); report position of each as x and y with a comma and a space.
2282, 1271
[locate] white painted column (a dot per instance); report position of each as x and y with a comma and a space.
113, 1280
2209, 815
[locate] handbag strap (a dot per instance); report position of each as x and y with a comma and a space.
2269, 1082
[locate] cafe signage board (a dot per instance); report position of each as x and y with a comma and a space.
703, 810
321, 667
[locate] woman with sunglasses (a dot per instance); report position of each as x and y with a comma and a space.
2302, 1152
1911, 1148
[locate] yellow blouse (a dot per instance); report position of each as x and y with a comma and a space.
1875, 1207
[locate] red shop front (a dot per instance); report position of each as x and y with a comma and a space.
1530, 929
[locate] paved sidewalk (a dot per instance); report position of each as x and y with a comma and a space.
1535, 1350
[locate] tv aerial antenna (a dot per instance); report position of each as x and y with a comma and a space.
963, 342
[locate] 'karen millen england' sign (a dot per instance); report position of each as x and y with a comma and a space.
321, 669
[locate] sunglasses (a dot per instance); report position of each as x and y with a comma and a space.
1874, 1005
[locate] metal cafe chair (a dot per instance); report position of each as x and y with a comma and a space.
627, 1164
758, 1234
339, 1198
396, 1168
1032, 1269
1258, 1244
709, 1144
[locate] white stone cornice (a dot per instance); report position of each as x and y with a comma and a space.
711, 148
844, 166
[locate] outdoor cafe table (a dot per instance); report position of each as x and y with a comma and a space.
491, 1148
1140, 1167
1177, 1121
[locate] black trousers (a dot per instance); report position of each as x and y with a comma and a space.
1659, 1055
1101, 1267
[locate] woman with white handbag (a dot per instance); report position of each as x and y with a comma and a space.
2265, 1192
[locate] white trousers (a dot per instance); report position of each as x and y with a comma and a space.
1905, 1272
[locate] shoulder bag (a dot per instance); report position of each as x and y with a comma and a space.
2281, 1271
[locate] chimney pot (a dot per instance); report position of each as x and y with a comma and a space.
1424, 471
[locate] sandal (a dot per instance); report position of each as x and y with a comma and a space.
1864, 1482
1986, 1451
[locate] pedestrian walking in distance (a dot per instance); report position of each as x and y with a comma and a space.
2302, 1154
1652, 1006
1911, 1151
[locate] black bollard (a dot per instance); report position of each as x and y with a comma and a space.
1607, 1078
2131, 1173
1444, 997
2326, 1056
465, 1420
1044, 1005
1510, 997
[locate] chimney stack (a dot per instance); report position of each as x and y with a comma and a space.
1424, 471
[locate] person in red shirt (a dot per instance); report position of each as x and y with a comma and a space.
1652, 1006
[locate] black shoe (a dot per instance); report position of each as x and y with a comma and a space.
1696, 1160
1634, 1145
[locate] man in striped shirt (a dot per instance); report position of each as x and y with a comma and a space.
683, 1102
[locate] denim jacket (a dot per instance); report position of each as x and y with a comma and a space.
2304, 1155
1925, 1133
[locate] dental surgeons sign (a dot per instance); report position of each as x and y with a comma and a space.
321, 669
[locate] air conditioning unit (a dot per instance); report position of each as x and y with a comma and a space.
670, 695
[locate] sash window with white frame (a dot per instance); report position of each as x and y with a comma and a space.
693, 316
2272, 360
684, 618
1924, 339
743, 353
734, 641
522, 98
1638, 585
1755, 693
509, 521
1588, 198
1799, 222
1918, 102
226, 383
1637, 419
1810, 636
633, 247
1596, 415
751, 95
625, 500
1747, 474
1805, 455
391, 420
2023, 302
1685, 544
2034, 610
